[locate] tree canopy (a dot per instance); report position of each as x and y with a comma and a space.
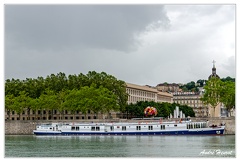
164, 109
217, 91
97, 92
192, 86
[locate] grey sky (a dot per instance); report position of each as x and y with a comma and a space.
141, 44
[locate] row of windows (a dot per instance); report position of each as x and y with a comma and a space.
54, 118
39, 112
140, 93
124, 128
95, 128
196, 125
188, 101
164, 99
75, 128
135, 99
186, 98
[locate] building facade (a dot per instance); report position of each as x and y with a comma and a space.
192, 99
53, 115
145, 93
166, 87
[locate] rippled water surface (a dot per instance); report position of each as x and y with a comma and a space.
120, 146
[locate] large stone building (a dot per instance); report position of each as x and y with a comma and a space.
192, 99
146, 93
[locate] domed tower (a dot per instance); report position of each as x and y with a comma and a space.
214, 74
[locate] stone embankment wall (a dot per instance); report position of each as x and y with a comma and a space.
27, 127
19, 127
229, 123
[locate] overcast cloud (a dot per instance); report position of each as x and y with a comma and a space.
141, 44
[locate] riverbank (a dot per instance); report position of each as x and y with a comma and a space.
27, 127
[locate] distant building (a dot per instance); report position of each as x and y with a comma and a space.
146, 93
166, 87
192, 99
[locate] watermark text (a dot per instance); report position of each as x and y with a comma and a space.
217, 152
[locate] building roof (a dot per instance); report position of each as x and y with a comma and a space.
145, 88
185, 93
214, 73
167, 84
165, 94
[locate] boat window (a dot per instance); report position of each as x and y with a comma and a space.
97, 128
204, 125
162, 126
124, 128
92, 128
112, 128
77, 128
138, 127
73, 128
175, 125
150, 127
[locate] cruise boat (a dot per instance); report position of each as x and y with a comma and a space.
180, 127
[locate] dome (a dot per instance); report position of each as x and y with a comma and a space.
214, 74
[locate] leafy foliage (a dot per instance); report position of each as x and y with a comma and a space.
164, 109
97, 92
192, 86
217, 91
228, 79
227, 95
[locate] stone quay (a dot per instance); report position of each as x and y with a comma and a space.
26, 127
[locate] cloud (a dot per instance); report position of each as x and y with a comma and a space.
60, 27
141, 44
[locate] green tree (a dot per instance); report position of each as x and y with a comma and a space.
227, 96
61, 98
9, 104
21, 103
212, 93
165, 110
228, 79
91, 98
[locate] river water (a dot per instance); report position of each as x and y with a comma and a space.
120, 146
